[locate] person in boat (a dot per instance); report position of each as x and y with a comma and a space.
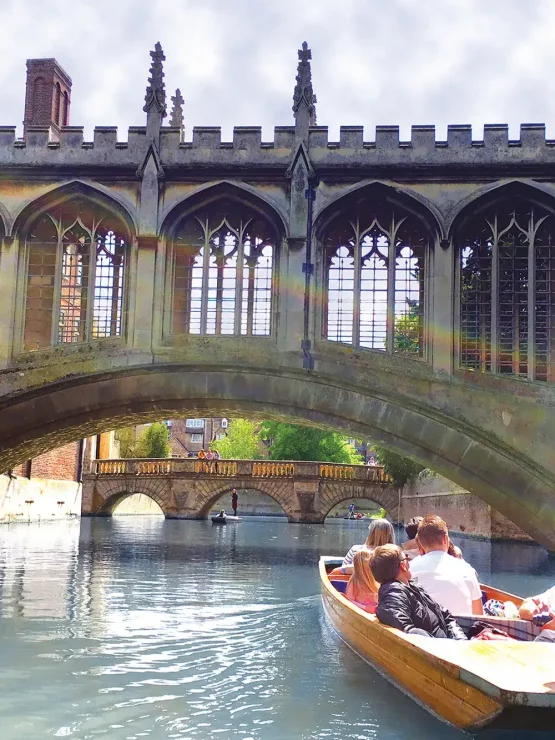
404, 604
351, 511
222, 514
362, 588
410, 547
454, 551
450, 581
380, 532
234, 501
534, 606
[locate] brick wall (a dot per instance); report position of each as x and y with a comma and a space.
59, 464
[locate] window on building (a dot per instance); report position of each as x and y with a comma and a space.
195, 423
375, 257
220, 435
223, 272
507, 290
75, 276
197, 438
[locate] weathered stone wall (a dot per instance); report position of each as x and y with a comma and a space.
464, 513
23, 500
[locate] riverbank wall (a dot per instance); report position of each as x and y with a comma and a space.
464, 513
38, 499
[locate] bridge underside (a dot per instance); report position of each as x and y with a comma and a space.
503, 475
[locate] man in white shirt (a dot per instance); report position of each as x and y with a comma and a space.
451, 582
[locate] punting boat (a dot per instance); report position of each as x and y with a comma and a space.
227, 519
473, 685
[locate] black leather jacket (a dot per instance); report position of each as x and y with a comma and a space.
407, 606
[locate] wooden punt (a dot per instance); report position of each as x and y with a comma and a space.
472, 685
227, 519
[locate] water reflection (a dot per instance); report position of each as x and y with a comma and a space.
142, 627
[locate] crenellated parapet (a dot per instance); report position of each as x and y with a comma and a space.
247, 149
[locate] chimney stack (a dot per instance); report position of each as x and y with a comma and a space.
48, 95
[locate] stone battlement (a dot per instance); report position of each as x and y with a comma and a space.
43, 146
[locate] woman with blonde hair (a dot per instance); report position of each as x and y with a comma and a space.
362, 588
380, 532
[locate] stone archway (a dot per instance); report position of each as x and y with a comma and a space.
280, 491
105, 495
332, 494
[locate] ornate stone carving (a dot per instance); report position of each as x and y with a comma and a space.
176, 115
155, 90
303, 89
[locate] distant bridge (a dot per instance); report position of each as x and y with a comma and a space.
189, 489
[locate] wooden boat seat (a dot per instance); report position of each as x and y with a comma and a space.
339, 585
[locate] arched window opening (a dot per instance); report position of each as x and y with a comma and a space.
65, 121
58, 104
75, 276
375, 258
507, 290
223, 272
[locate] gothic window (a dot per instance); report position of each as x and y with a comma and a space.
75, 275
375, 258
58, 104
223, 267
507, 291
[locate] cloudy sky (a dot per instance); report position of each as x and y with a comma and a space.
374, 61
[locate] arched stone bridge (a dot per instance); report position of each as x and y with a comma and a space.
188, 489
400, 292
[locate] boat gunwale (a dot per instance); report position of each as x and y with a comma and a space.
416, 645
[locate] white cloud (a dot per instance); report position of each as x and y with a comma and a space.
374, 62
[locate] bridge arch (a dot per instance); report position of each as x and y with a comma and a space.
278, 490
476, 458
334, 494
4, 220
109, 494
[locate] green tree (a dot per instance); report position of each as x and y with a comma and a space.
292, 442
241, 442
126, 439
154, 441
401, 469
407, 330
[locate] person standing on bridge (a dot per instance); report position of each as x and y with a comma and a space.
234, 501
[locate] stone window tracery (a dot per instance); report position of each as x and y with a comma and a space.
76, 258
507, 291
375, 259
223, 272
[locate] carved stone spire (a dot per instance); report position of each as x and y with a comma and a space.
176, 115
304, 97
155, 90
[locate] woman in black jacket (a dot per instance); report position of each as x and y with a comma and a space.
405, 605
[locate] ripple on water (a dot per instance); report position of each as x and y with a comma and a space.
173, 630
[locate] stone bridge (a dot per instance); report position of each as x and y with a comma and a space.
399, 291
189, 489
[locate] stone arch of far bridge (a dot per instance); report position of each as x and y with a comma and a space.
108, 494
279, 490
334, 493
58, 194
5, 221
405, 198
210, 193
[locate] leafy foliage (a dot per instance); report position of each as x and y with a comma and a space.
153, 442
407, 330
241, 442
400, 468
126, 439
292, 442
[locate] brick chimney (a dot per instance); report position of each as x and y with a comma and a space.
48, 95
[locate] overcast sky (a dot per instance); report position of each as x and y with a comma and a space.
374, 61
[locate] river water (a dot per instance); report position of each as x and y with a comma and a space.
138, 627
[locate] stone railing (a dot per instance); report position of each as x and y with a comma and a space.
239, 468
